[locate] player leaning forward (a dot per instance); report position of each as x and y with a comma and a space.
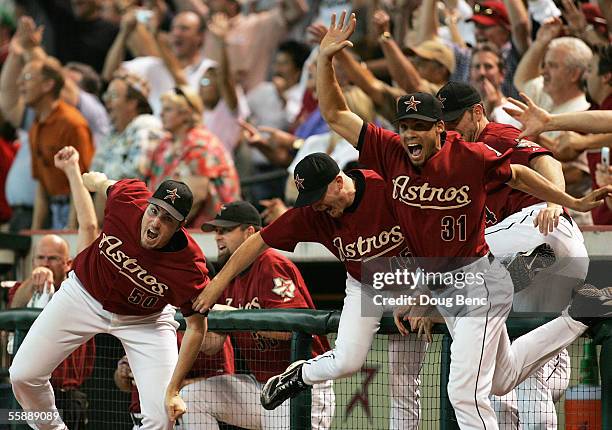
448, 228
125, 284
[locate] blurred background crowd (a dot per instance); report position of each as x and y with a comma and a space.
220, 93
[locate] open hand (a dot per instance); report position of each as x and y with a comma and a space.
531, 116
219, 25
594, 199
548, 218
337, 36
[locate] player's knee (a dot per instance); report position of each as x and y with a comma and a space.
464, 399
347, 362
21, 374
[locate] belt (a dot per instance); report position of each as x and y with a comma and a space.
22, 207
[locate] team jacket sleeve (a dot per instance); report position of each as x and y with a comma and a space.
294, 226
523, 150
496, 165
378, 147
197, 281
126, 191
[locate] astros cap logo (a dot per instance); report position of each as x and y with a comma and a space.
299, 182
412, 104
172, 195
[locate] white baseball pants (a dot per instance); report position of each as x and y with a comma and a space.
71, 318
483, 362
550, 292
235, 400
359, 322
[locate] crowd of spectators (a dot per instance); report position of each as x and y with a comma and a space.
220, 93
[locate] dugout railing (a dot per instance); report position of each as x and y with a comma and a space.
304, 323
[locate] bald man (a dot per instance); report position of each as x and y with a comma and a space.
51, 263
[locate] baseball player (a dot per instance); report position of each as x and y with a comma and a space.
272, 281
125, 283
438, 186
337, 210
511, 215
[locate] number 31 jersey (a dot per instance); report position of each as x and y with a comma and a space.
441, 205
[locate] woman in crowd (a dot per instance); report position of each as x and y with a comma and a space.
194, 155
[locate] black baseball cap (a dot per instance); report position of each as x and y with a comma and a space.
456, 98
312, 175
234, 214
175, 197
418, 106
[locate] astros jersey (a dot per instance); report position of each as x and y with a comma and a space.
128, 279
505, 200
365, 230
272, 282
441, 206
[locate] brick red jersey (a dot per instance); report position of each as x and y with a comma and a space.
205, 366
366, 230
272, 282
440, 206
128, 279
505, 200
77, 367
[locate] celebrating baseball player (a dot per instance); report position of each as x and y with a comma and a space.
125, 283
335, 209
511, 215
438, 187
271, 282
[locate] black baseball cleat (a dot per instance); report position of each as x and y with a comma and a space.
524, 266
591, 305
284, 386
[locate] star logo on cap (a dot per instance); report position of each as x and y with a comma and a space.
172, 195
299, 182
442, 100
412, 104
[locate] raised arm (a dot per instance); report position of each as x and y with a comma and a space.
170, 60
219, 28
238, 262
529, 66
520, 24
293, 10
67, 160
331, 101
536, 120
117, 51
528, 181
24, 46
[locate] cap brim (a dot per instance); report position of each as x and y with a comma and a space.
416, 116
306, 198
487, 21
168, 207
223, 223
454, 114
